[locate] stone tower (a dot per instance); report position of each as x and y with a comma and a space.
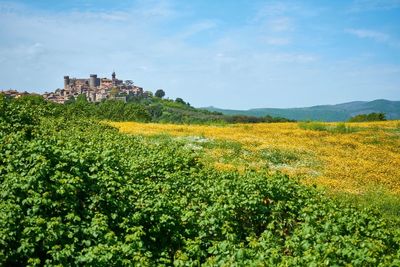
66, 82
93, 80
113, 78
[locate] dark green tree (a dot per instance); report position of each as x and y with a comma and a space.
160, 93
180, 100
368, 117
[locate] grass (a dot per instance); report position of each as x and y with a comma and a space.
340, 128
377, 199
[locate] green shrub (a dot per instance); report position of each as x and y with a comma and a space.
368, 117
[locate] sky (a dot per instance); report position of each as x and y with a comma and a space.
236, 54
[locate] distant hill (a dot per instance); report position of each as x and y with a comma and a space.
339, 112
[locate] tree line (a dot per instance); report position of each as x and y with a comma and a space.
143, 109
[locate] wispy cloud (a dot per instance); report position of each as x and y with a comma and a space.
162, 9
107, 16
370, 34
286, 8
293, 58
376, 36
371, 5
273, 8
196, 28
280, 24
277, 41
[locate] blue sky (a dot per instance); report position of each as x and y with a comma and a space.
231, 54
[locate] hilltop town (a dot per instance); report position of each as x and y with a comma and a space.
14, 93
95, 89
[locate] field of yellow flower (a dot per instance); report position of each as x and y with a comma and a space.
351, 158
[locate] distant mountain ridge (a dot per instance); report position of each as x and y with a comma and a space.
338, 112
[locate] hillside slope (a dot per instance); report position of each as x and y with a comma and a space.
339, 112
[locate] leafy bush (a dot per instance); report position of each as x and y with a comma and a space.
368, 117
23, 114
78, 193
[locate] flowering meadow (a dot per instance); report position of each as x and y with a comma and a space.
351, 158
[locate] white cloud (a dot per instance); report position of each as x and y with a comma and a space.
371, 5
155, 10
293, 58
293, 9
274, 9
109, 16
277, 41
375, 35
280, 24
196, 28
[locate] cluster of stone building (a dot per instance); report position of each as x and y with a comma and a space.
13, 93
95, 89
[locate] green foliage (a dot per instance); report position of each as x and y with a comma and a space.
159, 93
81, 99
180, 100
79, 193
368, 117
150, 109
70, 100
389, 205
337, 128
253, 119
23, 113
178, 112
315, 126
120, 111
